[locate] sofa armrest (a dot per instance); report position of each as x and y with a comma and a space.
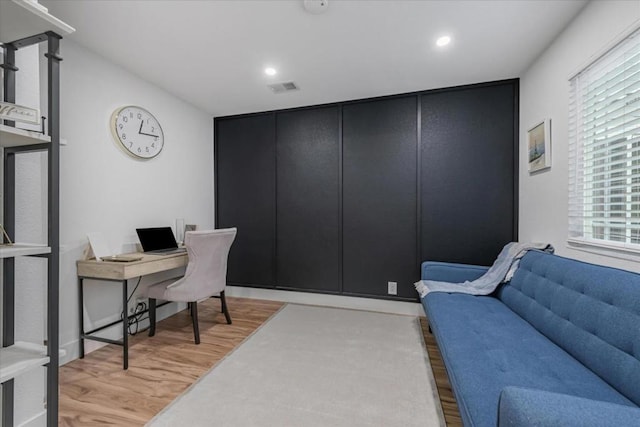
452, 273
521, 407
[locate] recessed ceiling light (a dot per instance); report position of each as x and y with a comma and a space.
316, 7
443, 41
270, 71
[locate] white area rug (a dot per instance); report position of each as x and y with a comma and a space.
317, 366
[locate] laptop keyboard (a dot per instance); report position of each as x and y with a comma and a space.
169, 251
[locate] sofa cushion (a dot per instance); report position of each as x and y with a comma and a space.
591, 311
521, 407
487, 347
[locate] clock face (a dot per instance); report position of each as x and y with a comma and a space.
137, 132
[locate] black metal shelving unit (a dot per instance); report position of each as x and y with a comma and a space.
21, 357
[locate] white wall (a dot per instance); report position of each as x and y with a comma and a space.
544, 93
30, 272
103, 189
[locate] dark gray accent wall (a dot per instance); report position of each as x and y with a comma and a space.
346, 197
246, 195
308, 200
379, 187
467, 174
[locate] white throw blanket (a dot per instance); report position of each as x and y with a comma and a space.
501, 271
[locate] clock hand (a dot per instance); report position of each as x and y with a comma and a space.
148, 134
140, 130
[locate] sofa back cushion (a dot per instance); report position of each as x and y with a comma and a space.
591, 311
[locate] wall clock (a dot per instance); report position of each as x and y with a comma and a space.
137, 132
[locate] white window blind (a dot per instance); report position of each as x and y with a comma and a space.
604, 149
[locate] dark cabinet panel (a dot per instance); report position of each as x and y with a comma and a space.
245, 175
379, 196
308, 199
467, 173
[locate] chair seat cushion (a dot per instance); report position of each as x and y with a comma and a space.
162, 291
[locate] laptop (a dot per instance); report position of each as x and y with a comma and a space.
158, 240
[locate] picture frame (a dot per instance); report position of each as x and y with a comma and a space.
539, 146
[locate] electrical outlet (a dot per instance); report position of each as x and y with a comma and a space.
392, 288
140, 300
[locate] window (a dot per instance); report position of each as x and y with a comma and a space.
604, 149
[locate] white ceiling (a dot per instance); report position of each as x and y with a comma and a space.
213, 53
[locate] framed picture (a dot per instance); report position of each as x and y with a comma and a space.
539, 146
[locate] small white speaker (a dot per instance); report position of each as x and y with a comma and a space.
316, 6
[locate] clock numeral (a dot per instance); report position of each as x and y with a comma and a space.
153, 144
147, 149
156, 138
120, 125
139, 115
125, 119
130, 144
153, 129
139, 150
124, 136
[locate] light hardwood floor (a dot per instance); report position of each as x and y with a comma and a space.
447, 399
95, 390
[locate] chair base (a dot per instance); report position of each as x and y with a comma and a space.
193, 309
224, 308
194, 320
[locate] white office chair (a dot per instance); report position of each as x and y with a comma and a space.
206, 276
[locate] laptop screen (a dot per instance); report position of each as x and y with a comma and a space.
153, 239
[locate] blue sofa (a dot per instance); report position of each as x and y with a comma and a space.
559, 345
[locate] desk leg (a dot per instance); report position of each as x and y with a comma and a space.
125, 327
81, 315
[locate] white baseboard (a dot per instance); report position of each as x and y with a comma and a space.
39, 420
340, 301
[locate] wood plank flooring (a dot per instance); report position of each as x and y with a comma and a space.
95, 390
447, 399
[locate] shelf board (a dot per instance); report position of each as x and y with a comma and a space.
23, 249
20, 358
26, 18
14, 137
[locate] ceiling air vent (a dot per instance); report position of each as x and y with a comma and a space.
283, 87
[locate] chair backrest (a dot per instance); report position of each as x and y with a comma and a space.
208, 252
